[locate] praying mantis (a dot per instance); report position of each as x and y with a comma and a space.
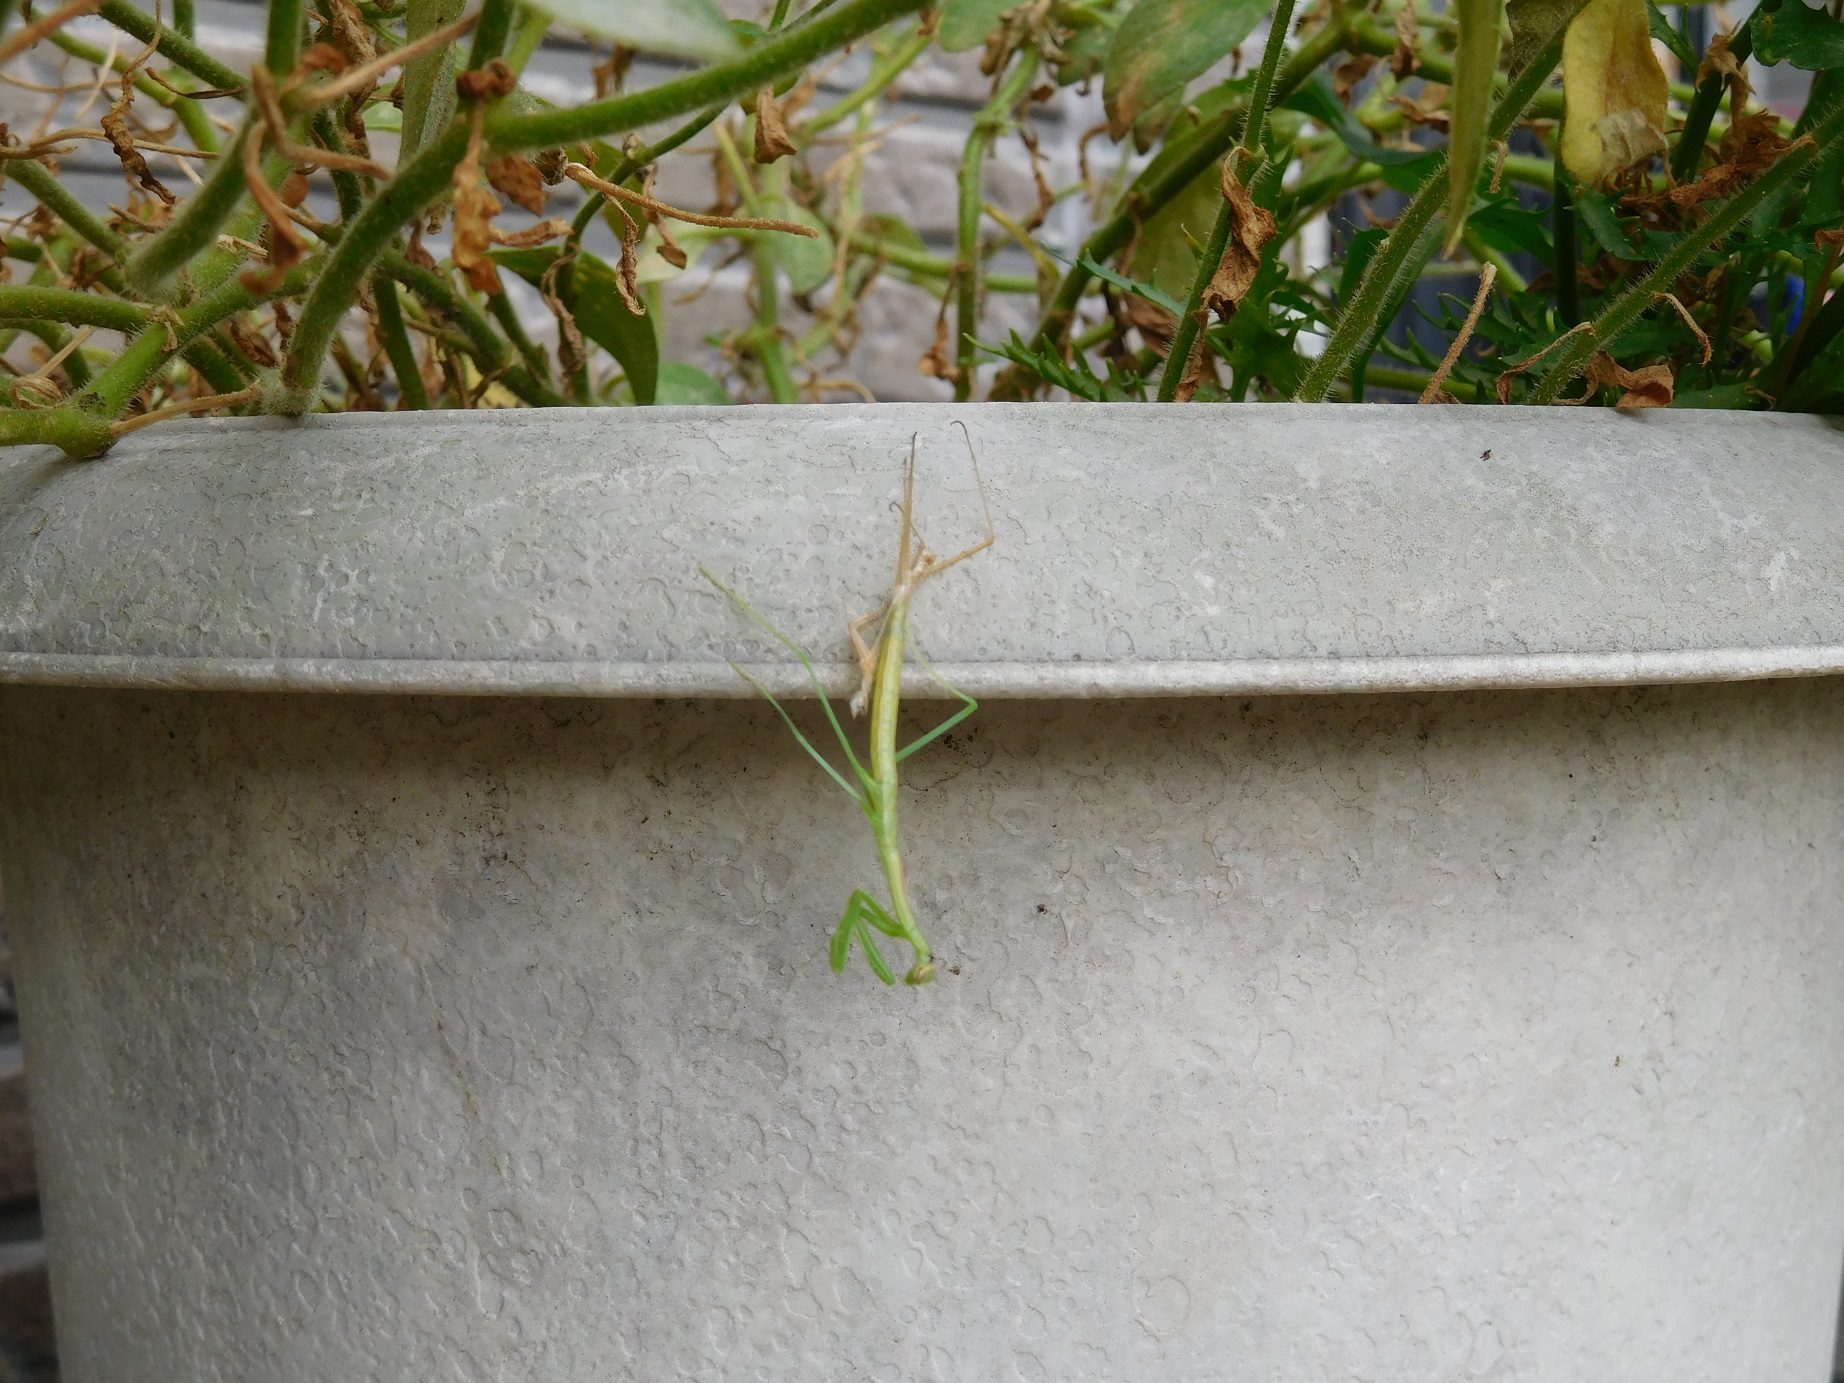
880, 666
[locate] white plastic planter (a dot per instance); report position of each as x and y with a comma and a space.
421, 932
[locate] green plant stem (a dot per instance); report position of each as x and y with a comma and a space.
185, 18
1411, 382
1642, 296
885, 70
931, 266
1687, 158
431, 170
1159, 185
766, 337
491, 32
484, 344
54, 338
195, 225
74, 433
510, 131
1191, 320
1436, 66
174, 46
19, 302
192, 114
346, 185
160, 341
993, 118
282, 51
396, 341
42, 184
1568, 256
508, 318
1399, 259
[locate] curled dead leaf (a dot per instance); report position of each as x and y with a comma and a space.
517, 178
772, 140
1650, 386
1250, 228
1347, 75
115, 129
475, 208
1403, 62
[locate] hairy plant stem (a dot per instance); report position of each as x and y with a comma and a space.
1826, 135
1399, 259
282, 50
174, 46
1568, 256
1687, 158
44, 185
508, 318
509, 131
1191, 321
429, 173
992, 120
491, 33
195, 225
396, 340
489, 351
1158, 185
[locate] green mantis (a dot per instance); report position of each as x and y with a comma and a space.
880, 664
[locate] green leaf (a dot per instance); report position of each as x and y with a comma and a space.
965, 23
1666, 33
1791, 31
1596, 211
1475, 63
1315, 98
1513, 229
1053, 369
684, 384
679, 28
382, 115
1717, 396
808, 260
1150, 292
595, 302
429, 80
1163, 45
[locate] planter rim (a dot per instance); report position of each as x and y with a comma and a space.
1204, 550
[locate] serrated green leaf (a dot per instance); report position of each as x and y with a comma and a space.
1316, 99
1164, 45
965, 23
1666, 33
1053, 369
1791, 31
678, 28
1474, 65
595, 302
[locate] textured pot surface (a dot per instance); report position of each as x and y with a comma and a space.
1480, 1032
1463, 1035
1216, 549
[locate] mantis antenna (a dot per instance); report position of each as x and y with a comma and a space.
873, 784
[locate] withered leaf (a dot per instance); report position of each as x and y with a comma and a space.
772, 140
475, 208
1250, 228
1403, 62
1650, 386
1614, 90
517, 178
115, 128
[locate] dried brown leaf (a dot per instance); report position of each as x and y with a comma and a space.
1349, 73
475, 208
772, 140
1650, 386
517, 179
115, 128
1403, 61
1250, 228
